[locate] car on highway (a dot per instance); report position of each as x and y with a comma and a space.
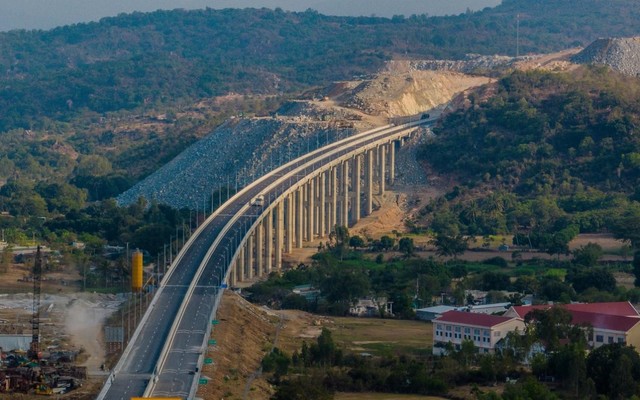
257, 201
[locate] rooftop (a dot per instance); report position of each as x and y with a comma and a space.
468, 318
620, 308
603, 321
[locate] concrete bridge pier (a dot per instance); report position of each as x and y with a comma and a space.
268, 229
240, 267
344, 219
339, 195
290, 226
298, 217
279, 235
333, 185
392, 162
355, 185
322, 185
368, 182
381, 166
310, 186
249, 257
259, 248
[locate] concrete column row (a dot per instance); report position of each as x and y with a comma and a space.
342, 195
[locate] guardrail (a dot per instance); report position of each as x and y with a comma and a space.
282, 179
297, 165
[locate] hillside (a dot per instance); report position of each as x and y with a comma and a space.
138, 89
255, 145
148, 59
621, 54
540, 153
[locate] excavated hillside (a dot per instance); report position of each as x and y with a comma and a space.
246, 334
621, 54
242, 149
402, 90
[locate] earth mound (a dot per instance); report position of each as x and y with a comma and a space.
621, 54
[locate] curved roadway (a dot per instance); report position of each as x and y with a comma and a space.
169, 369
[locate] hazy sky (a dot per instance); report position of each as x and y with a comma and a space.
45, 14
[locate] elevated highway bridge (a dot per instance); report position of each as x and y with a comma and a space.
246, 237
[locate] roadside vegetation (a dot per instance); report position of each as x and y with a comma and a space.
563, 369
349, 357
343, 275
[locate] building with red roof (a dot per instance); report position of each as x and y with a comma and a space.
482, 329
614, 322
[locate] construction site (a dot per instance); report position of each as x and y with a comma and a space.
56, 340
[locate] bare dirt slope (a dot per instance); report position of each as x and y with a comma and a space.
401, 90
560, 61
246, 333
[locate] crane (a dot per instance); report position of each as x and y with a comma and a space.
34, 348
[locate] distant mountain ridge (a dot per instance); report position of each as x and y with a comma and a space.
150, 59
621, 54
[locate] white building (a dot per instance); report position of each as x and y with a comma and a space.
482, 329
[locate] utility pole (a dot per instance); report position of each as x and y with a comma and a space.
517, 35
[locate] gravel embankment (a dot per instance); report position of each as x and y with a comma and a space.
408, 169
621, 54
241, 149
470, 64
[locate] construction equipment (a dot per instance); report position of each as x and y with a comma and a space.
34, 348
43, 389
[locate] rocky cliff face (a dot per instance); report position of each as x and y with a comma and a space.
621, 54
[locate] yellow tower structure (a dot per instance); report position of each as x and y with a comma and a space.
136, 271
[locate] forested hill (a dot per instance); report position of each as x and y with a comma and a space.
551, 154
146, 59
542, 133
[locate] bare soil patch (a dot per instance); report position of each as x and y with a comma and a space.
375, 335
247, 332
556, 62
383, 396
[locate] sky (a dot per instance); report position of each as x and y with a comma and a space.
46, 14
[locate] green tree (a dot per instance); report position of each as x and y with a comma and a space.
405, 245
450, 246
598, 278
277, 362
554, 325
588, 255
387, 242
339, 239
568, 364
93, 165
615, 369
529, 389
6, 258
356, 242
306, 387
636, 267
345, 285
324, 351
627, 226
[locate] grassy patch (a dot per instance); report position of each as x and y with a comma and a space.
383, 336
556, 273
383, 396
